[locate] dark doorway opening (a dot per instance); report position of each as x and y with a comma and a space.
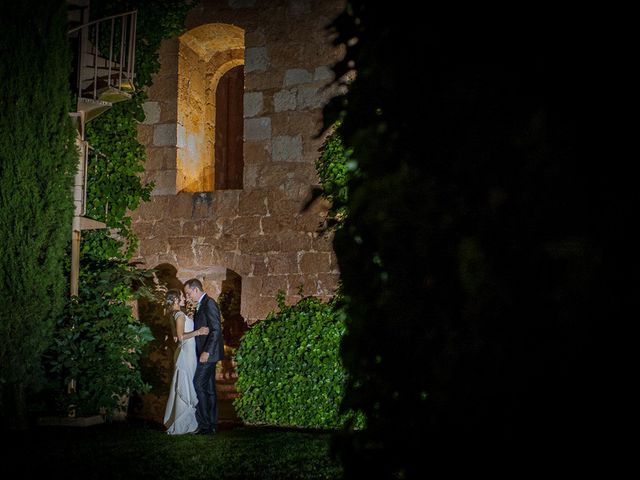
228, 152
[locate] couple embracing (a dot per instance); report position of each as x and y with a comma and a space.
192, 404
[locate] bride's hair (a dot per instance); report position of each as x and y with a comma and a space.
171, 297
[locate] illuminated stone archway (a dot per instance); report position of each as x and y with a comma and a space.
206, 53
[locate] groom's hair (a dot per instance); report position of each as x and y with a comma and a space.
194, 283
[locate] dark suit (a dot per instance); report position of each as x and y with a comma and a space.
204, 380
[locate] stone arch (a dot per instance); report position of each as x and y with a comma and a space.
225, 286
205, 54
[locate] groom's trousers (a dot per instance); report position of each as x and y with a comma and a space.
204, 381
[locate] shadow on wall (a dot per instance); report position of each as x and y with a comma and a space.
233, 323
157, 363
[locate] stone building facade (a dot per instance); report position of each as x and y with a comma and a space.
232, 132
255, 231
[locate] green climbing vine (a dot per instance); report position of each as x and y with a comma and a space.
99, 339
334, 167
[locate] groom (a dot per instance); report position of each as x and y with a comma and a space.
209, 349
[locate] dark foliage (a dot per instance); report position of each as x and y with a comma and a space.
37, 164
481, 246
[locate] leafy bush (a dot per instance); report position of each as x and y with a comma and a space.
99, 342
289, 368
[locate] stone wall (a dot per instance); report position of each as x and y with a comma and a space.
261, 232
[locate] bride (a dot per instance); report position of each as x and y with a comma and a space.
180, 413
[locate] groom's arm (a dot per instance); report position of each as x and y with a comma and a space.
212, 318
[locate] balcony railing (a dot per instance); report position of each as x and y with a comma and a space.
105, 69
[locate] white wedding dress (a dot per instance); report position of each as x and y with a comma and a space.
180, 413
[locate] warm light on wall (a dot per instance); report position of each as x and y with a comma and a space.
206, 53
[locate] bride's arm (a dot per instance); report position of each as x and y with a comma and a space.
182, 335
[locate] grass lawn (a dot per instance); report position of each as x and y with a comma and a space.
135, 450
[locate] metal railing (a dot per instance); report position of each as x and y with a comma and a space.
102, 63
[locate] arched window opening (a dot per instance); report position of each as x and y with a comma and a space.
210, 78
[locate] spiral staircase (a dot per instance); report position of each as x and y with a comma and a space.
103, 74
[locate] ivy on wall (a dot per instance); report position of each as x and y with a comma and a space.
99, 340
334, 166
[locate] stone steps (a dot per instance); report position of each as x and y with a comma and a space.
226, 388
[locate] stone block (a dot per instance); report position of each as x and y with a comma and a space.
294, 121
185, 256
298, 8
201, 205
165, 134
285, 100
151, 112
259, 244
226, 243
144, 134
282, 263
323, 242
252, 104
256, 59
252, 202
294, 241
255, 81
177, 242
237, 4
168, 56
166, 227
257, 129
259, 309
164, 88
206, 255
296, 76
165, 182
328, 283
169, 111
179, 206
254, 38
323, 74
286, 148
244, 226
250, 175
226, 202
155, 159
319, 262
142, 229
276, 224
257, 152
154, 245
272, 284
279, 204
335, 267
150, 211
258, 265
275, 175
309, 98
309, 222
204, 227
